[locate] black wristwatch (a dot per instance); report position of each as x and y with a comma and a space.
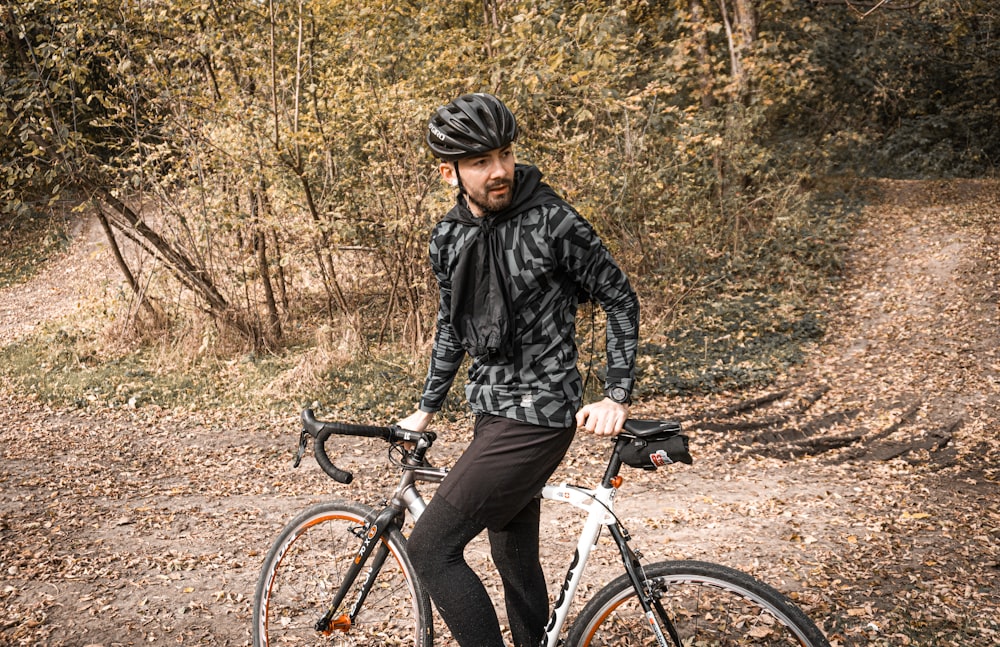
618, 394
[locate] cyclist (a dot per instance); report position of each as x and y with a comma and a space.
512, 262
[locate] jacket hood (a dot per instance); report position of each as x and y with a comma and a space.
529, 192
481, 310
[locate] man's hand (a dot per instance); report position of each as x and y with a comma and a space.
603, 418
416, 421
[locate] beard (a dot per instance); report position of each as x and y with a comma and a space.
489, 203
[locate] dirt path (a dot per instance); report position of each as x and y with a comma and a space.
865, 483
61, 287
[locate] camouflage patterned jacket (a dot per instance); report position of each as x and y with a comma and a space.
551, 255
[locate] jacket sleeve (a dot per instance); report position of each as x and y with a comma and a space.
447, 353
585, 258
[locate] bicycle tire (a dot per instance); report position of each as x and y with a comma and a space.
304, 568
708, 604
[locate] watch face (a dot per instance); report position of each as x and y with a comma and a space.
618, 394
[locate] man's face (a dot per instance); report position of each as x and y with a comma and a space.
488, 180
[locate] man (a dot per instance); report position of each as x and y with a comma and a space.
512, 260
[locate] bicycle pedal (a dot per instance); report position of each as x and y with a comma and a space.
342, 624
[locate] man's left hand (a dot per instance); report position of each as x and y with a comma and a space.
603, 418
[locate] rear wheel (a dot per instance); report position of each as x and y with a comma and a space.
304, 569
708, 605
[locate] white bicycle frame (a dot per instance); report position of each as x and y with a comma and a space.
599, 505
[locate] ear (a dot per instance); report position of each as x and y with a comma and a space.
448, 173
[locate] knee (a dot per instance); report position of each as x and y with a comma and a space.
421, 547
438, 539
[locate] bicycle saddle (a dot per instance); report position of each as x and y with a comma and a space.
652, 428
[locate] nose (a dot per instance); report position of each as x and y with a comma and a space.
497, 170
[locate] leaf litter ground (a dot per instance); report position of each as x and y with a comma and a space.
864, 483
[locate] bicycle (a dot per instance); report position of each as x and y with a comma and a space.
339, 572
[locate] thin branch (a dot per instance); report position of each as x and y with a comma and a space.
867, 8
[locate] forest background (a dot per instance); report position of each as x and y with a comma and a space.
259, 171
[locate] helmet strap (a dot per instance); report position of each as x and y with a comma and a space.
458, 178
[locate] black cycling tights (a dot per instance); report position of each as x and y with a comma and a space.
437, 546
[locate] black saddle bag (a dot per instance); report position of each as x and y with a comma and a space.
651, 451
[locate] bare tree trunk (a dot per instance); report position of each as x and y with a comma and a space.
492, 22
273, 320
741, 34
193, 277
155, 315
264, 268
702, 54
280, 271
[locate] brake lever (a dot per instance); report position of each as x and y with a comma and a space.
303, 441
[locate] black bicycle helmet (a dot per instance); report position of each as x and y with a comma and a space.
470, 125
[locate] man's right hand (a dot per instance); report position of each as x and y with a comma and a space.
603, 418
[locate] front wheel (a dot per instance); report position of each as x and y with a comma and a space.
305, 568
706, 603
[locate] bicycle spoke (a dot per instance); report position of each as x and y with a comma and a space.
709, 606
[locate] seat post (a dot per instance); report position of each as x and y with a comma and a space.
615, 462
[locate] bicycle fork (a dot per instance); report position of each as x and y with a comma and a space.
370, 535
648, 597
